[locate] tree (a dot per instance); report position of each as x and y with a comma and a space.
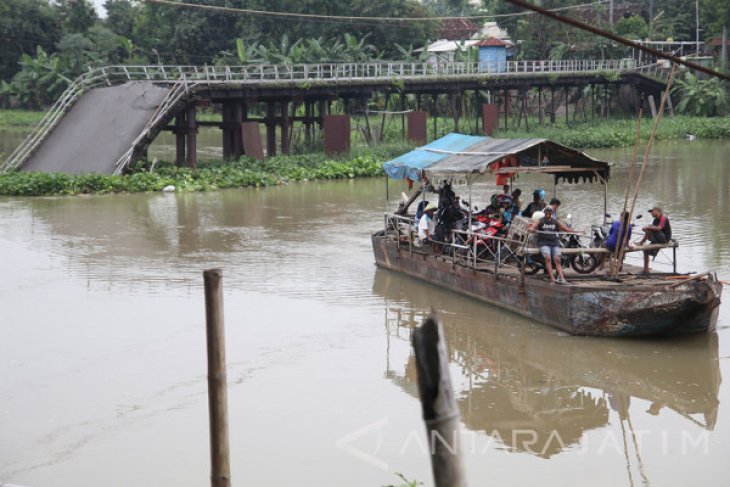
25, 24
40, 80
702, 97
633, 27
120, 16
77, 16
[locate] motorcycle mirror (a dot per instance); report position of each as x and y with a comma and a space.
639, 216
608, 215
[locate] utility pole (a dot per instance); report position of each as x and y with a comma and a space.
723, 51
697, 17
610, 13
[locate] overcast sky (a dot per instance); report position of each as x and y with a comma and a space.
99, 8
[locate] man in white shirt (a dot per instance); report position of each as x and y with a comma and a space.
427, 224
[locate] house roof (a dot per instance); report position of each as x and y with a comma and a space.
456, 29
493, 41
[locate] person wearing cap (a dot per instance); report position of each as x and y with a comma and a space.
549, 243
427, 224
659, 232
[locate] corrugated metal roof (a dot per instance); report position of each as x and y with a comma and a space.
410, 164
465, 155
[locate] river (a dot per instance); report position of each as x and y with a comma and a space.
103, 367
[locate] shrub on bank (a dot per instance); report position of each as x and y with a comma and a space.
621, 133
210, 176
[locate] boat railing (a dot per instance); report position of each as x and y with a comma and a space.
475, 250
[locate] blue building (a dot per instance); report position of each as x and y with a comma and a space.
493, 55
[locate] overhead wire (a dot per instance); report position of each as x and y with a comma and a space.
352, 18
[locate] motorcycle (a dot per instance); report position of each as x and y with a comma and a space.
600, 232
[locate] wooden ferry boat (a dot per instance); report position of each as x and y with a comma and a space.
633, 305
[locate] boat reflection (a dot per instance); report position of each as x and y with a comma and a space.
516, 377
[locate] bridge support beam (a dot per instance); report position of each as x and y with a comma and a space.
227, 130
237, 120
270, 122
192, 136
285, 128
180, 139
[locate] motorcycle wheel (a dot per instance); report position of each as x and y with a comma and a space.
584, 263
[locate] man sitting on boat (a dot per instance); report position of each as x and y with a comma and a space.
659, 232
427, 225
549, 243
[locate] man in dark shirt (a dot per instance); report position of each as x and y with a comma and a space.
549, 243
659, 232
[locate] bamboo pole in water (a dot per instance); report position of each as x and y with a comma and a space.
440, 412
217, 397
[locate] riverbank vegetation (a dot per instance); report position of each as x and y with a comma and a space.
209, 176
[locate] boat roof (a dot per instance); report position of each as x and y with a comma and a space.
469, 156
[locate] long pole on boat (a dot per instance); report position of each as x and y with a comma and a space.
617, 255
649, 146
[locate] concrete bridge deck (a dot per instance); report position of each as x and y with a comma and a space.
108, 116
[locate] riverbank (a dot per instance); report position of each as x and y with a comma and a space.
621, 133
209, 176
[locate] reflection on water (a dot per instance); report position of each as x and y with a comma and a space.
517, 377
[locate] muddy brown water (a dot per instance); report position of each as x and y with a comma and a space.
102, 348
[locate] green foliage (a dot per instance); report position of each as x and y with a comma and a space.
24, 25
633, 27
702, 97
621, 133
19, 118
405, 482
210, 176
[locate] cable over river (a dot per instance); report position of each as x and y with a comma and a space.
103, 366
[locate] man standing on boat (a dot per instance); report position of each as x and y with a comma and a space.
549, 243
659, 232
427, 225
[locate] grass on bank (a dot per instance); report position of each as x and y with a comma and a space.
621, 133
209, 176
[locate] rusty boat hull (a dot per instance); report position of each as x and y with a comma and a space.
642, 307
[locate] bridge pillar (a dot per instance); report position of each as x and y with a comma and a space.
417, 122
237, 133
270, 122
180, 139
192, 136
227, 131
336, 134
490, 118
285, 139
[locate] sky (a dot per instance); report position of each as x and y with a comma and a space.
99, 7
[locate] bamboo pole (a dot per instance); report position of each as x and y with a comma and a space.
440, 412
217, 398
649, 146
617, 255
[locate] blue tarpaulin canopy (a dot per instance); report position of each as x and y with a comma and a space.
465, 155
